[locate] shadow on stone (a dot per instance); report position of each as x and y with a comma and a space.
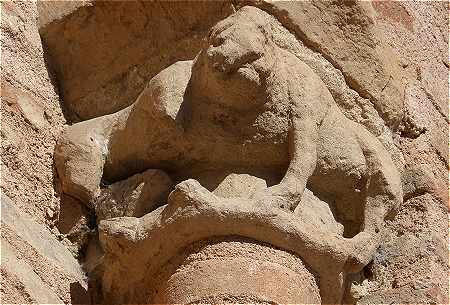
79, 294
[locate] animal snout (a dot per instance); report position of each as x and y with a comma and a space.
228, 57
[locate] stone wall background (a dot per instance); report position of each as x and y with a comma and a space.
412, 265
97, 56
35, 266
31, 114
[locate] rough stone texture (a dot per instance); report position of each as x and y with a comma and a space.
354, 47
415, 268
31, 115
207, 272
36, 267
279, 114
385, 65
208, 119
136, 196
316, 212
417, 35
54, 11
311, 209
243, 185
105, 52
76, 223
139, 247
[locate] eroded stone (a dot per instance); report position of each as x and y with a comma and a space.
245, 102
30, 253
136, 196
207, 272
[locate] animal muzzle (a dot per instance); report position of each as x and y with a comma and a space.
229, 57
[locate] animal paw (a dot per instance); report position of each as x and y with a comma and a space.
278, 196
188, 192
362, 250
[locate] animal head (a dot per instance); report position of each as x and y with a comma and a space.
232, 67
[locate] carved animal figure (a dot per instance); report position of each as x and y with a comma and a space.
244, 105
261, 101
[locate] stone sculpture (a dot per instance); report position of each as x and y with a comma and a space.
243, 105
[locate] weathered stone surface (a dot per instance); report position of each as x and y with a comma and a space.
418, 180
31, 117
416, 267
333, 154
311, 209
32, 111
192, 214
245, 102
316, 212
136, 196
76, 224
239, 185
36, 267
207, 272
80, 177
344, 33
124, 133
383, 64
412, 263
20, 284
58, 11
104, 53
